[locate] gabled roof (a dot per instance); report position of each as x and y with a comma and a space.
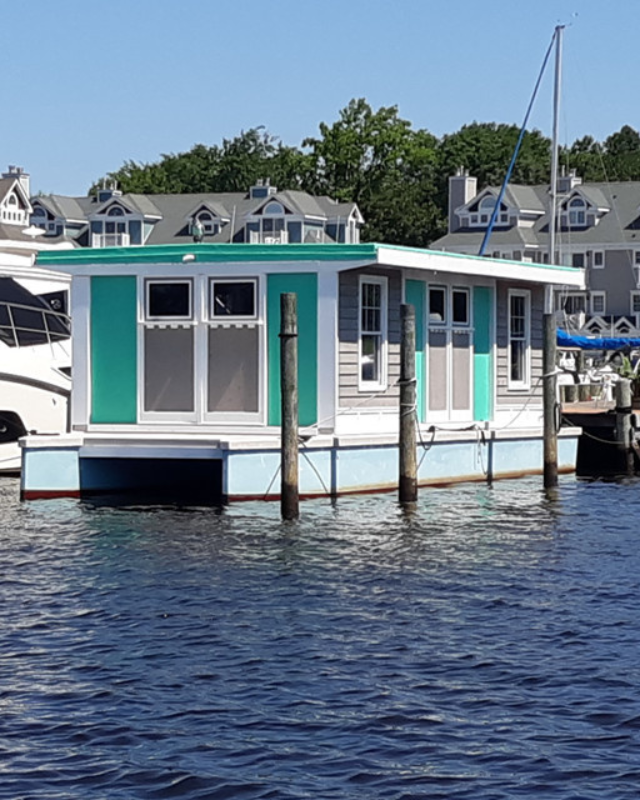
171, 213
618, 225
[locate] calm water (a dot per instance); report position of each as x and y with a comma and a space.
487, 647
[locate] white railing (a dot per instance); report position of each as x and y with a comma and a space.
281, 237
607, 325
110, 240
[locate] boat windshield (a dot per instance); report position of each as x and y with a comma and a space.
27, 320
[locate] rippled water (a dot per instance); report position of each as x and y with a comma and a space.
485, 647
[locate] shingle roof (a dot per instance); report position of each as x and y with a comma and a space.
620, 224
171, 212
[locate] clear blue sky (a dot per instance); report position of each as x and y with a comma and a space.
89, 85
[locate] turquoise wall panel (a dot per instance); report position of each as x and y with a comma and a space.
305, 286
482, 359
415, 293
114, 360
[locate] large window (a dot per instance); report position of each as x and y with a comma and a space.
201, 340
233, 348
169, 347
373, 332
519, 337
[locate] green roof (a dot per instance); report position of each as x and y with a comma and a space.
208, 253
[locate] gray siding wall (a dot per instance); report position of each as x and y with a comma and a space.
616, 279
348, 394
505, 396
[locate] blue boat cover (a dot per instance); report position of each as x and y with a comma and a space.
605, 343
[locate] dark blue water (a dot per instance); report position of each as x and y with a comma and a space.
487, 647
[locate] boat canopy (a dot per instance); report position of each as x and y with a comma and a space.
565, 339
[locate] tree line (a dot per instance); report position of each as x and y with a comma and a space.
396, 174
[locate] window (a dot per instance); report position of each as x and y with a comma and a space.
637, 258
519, 327
577, 208
170, 300
169, 349
577, 260
635, 302
209, 225
233, 299
437, 304
598, 259
115, 211
373, 317
460, 306
598, 302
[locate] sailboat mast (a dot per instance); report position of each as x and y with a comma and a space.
554, 144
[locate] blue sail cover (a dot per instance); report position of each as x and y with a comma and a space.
605, 343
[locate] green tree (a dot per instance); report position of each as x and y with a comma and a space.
375, 159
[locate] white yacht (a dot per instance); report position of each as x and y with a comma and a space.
35, 333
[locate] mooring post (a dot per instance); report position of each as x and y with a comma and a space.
408, 481
289, 492
550, 402
624, 428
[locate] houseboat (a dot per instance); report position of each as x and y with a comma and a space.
176, 373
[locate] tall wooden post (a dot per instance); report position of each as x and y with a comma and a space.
549, 402
624, 429
408, 481
289, 492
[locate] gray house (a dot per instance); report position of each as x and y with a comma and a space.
598, 228
263, 215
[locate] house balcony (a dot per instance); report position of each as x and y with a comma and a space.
110, 240
279, 237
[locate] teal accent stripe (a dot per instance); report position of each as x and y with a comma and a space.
415, 293
482, 359
305, 286
210, 253
113, 349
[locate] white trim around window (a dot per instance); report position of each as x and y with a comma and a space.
519, 339
634, 303
598, 303
372, 333
597, 259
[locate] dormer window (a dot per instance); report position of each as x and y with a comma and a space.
115, 211
577, 212
206, 219
273, 228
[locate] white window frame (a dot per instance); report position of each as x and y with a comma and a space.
147, 317
634, 298
381, 383
200, 321
600, 255
577, 212
221, 319
593, 297
525, 383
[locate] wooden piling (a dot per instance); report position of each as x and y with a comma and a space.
624, 428
289, 489
408, 480
550, 407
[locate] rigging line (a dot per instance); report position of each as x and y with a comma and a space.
523, 130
